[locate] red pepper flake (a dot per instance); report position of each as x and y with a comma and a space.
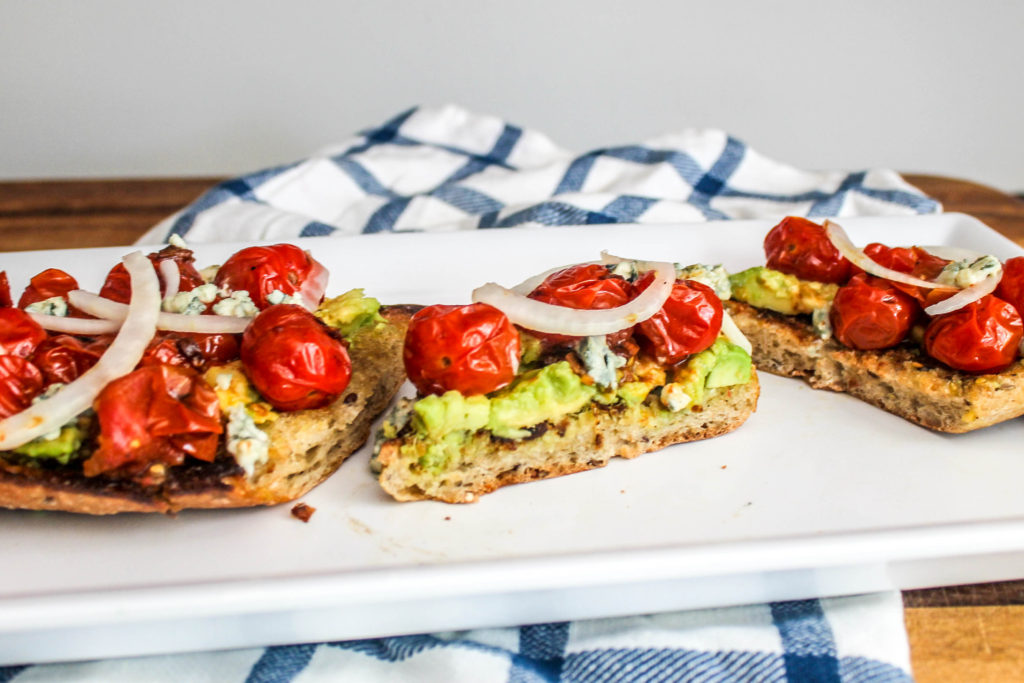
302, 511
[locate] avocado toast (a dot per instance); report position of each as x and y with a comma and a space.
562, 402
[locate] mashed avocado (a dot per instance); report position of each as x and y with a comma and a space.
723, 364
766, 288
60, 448
350, 312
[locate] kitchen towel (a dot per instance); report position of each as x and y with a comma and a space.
437, 169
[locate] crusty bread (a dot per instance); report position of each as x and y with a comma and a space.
901, 380
306, 447
578, 442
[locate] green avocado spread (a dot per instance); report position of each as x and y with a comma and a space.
60, 448
781, 292
350, 312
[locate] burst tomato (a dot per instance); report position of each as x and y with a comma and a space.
586, 287
19, 333
20, 382
913, 261
47, 284
1011, 287
118, 285
983, 336
191, 349
293, 360
5, 291
800, 247
687, 323
63, 358
282, 267
871, 313
472, 349
155, 414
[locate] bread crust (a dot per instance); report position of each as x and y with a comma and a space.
901, 380
306, 447
579, 442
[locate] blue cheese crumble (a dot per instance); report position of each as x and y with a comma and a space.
967, 272
55, 305
193, 302
238, 304
248, 443
279, 297
600, 361
716, 277
674, 398
821, 320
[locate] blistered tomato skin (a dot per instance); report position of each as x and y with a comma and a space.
687, 323
292, 359
800, 247
47, 284
63, 358
19, 333
20, 382
191, 349
584, 287
983, 336
155, 414
281, 267
472, 349
118, 287
870, 313
1011, 287
5, 291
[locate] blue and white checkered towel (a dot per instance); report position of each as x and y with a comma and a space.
449, 169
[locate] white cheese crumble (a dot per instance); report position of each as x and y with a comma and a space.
821, 320
247, 442
673, 397
600, 361
192, 302
279, 297
238, 304
716, 277
177, 241
55, 305
627, 270
967, 272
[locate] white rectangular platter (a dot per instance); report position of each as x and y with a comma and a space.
818, 494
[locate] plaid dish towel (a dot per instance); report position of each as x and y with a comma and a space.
434, 169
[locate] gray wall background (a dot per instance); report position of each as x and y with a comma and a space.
119, 88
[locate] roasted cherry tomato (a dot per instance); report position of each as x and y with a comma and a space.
19, 333
585, 287
472, 349
20, 382
913, 261
871, 313
63, 358
118, 284
47, 284
687, 323
1011, 287
282, 267
191, 349
983, 336
155, 414
800, 247
5, 291
293, 360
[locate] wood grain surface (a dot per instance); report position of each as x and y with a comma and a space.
960, 633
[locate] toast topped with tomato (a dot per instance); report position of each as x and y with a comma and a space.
173, 388
930, 334
562, 373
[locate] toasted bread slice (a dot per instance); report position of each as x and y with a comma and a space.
306, 447
901, 380
577, 442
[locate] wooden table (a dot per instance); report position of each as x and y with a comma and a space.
960, 633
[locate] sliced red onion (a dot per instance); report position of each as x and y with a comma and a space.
94, 304
542, 317
965, 296
119, 359
842, 242
313, 287
171, 275
84, 326
734, 335
530, 284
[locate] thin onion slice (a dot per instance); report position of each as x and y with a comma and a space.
966, 296
119, 359
171, 275
542, 317
83, 326
734, 335
94, 304
530, 284
842, 242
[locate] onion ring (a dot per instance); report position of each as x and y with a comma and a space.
119, 359
83, 326
551, 319
965, 296
841, 241
171, 275
94, 304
